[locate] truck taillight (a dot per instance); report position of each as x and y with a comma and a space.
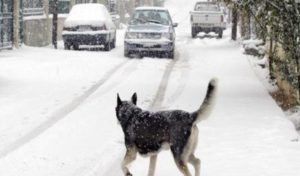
222, 18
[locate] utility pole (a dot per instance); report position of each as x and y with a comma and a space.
16, 23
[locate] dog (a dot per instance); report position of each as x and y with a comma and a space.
147, 132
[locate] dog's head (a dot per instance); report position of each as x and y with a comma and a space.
124, 109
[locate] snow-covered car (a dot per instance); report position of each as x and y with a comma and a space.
150, 30
207, 17
89, 24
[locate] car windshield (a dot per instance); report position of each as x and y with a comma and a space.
150, 16
207, 7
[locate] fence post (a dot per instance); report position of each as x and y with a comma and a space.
16, 23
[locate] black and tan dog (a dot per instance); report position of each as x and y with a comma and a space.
149, 132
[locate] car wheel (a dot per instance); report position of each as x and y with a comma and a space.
67, 46
220, 34
107, 46
114, 43
126, 53
75, 46
194, 32
170, 54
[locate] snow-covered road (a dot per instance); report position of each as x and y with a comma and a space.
57, 109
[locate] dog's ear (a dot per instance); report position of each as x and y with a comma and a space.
119, 101
134, 98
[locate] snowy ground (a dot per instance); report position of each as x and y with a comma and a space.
57, 109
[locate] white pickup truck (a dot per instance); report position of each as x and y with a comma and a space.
207, 17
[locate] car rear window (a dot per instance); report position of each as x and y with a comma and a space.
207, 7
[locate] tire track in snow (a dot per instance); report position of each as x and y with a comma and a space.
160, 93
180, 58
64, 111
184, 74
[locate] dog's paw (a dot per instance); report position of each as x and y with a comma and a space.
128, 174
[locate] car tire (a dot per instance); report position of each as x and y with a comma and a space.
194, 32
126, 53
107, 46
220, 34
170, 54
75, 46
67, 46
113, 43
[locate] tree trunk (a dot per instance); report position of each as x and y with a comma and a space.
271, 58
234, 22
271, 55
122, 10
248, 19
243, 24
48, 26
54, 23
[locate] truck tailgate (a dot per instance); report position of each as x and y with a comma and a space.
206, 17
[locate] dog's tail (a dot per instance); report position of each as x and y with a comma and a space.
206, 107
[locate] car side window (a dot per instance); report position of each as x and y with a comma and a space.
165, 18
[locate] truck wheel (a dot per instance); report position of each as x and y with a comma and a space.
194, 32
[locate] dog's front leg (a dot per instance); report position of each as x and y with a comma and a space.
129, 157
152, 165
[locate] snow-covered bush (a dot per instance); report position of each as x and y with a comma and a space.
254, 47
294, 115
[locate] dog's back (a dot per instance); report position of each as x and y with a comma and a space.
149, 131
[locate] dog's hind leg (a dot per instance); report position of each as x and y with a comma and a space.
196, 163
182, 166
152, 165
191, 147
129, 157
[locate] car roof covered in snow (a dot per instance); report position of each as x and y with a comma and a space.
151, 8
88, 14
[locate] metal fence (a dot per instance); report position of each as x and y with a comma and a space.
6, 24
32, 7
